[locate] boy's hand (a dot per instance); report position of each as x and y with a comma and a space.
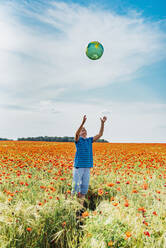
84, 119
104, 119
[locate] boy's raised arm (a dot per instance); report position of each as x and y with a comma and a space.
79, 129
101, 129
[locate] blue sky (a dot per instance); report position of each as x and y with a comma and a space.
150, 8
45, 69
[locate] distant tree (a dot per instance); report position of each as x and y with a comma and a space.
55, 139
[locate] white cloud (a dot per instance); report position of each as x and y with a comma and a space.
137, 122
38, 67
35, 60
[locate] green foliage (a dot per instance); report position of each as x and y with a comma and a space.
46, 225
55, 139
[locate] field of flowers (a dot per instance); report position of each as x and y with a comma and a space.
126, 200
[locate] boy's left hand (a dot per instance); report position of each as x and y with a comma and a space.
104, 119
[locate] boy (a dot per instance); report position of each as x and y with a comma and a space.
83, 160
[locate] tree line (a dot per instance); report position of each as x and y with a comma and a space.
51, 139
55, 139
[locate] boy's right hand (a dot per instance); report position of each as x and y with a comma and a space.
84, 119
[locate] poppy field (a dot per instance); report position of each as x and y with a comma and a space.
126, 200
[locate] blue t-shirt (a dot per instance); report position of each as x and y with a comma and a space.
84, 153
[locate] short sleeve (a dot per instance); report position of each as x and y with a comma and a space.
91, 139
77, 141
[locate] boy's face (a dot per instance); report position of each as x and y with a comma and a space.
83, 133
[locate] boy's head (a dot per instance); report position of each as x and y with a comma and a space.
83, 132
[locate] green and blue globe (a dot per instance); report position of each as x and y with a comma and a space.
94, 50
